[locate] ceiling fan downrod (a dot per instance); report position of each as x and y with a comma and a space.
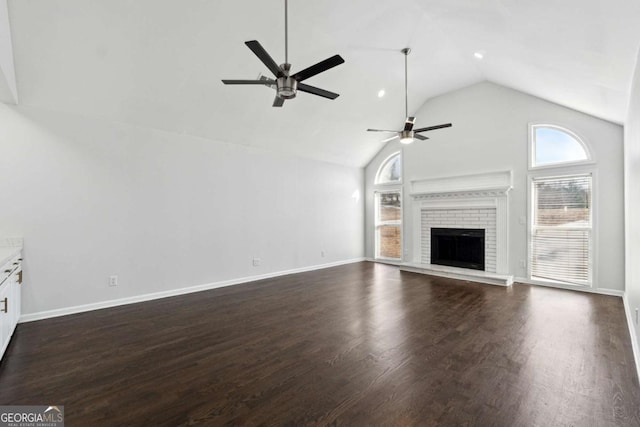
286, 32
406, 52
287, 86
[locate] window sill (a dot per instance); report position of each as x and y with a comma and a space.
558, 283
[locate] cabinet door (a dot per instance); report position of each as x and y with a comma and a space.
16, 297
5, 313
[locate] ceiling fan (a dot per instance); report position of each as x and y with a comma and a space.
285, 84
408, 134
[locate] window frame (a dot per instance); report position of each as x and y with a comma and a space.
377, 182
388, 187
378, 224
532, 147
565, 172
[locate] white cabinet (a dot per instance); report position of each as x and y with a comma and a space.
10, 293
5, 312
17, 300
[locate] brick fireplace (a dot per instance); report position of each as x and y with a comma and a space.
482, 218
479, 201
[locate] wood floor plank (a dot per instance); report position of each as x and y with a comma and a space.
360, 344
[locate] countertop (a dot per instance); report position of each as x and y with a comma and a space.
9, 248
7, 254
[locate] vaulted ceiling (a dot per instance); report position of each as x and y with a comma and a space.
158, 63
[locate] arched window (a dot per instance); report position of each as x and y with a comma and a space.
554, 146
390, 171
561, 215
388, 210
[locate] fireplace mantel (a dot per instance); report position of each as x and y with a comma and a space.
491, 184
477, 191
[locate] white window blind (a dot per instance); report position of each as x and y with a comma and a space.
562, 229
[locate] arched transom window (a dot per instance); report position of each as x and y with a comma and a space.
390, 171
556, 146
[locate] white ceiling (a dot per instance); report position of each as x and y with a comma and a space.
158, 63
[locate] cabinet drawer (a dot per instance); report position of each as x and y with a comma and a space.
5, 273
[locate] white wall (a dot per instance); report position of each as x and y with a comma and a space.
161, 210
490, 133
8, 89
632, 203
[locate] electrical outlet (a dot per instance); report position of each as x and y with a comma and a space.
113, 280
322, 254
256, 262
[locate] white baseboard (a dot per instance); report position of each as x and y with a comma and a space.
610, 292
632, 333
174, 292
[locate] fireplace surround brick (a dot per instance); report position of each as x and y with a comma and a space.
460, 218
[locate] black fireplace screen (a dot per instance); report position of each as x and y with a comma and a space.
458, 247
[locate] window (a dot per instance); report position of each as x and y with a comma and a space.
389, 225
553, 146
388, 209
390, 171
562, 229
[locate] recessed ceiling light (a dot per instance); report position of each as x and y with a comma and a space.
479, 55
381, 93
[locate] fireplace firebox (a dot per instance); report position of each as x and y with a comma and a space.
458, 247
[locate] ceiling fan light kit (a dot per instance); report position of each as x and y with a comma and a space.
287, 85
408, 134
406, 137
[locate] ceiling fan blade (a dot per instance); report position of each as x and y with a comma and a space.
390, 139
266, 59
317, 91
382, 130
318, 68
408, 125
420, 137
448, 125
249, 82
278, 102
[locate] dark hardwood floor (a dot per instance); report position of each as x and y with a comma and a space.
357, 345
